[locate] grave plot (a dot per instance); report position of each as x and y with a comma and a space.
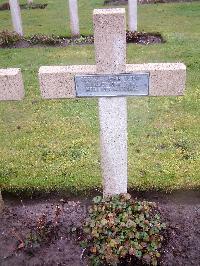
111, 80
47, 232
180, 210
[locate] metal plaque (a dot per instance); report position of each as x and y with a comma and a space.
131, 84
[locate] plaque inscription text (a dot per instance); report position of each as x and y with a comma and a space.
133, 84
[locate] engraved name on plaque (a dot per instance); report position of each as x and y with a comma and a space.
133, 84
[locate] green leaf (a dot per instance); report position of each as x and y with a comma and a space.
83, 244
97, 199
138, 254
92, 224
137, 235
157, 217
157, 254
119, 226
154, 261
113, 243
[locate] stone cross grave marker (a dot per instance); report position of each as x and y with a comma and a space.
111, 80
74, 18
16, 16
11, 88
132, 11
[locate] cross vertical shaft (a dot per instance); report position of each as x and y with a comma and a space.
110, 48
16, 16
132, 10
74, 18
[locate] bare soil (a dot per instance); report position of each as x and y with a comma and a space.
181, 210
144, 38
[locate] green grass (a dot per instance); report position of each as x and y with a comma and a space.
47, 145
54, 19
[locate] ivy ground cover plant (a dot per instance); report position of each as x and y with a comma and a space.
121, 229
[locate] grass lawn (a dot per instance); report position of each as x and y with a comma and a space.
48, 145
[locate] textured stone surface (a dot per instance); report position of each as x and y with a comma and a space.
110, 47
132, 13
166, 79
74, 18
16, 16
110, 40
113, 141
58, 81
11, 84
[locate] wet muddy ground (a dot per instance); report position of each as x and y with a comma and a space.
180, 210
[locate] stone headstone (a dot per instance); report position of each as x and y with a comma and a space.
106, 80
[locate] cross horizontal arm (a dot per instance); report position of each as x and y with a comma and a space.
166, 79
11, 84
58, 81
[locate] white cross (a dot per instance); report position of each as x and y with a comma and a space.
132, 11
110, 46
74, 18
16, 16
